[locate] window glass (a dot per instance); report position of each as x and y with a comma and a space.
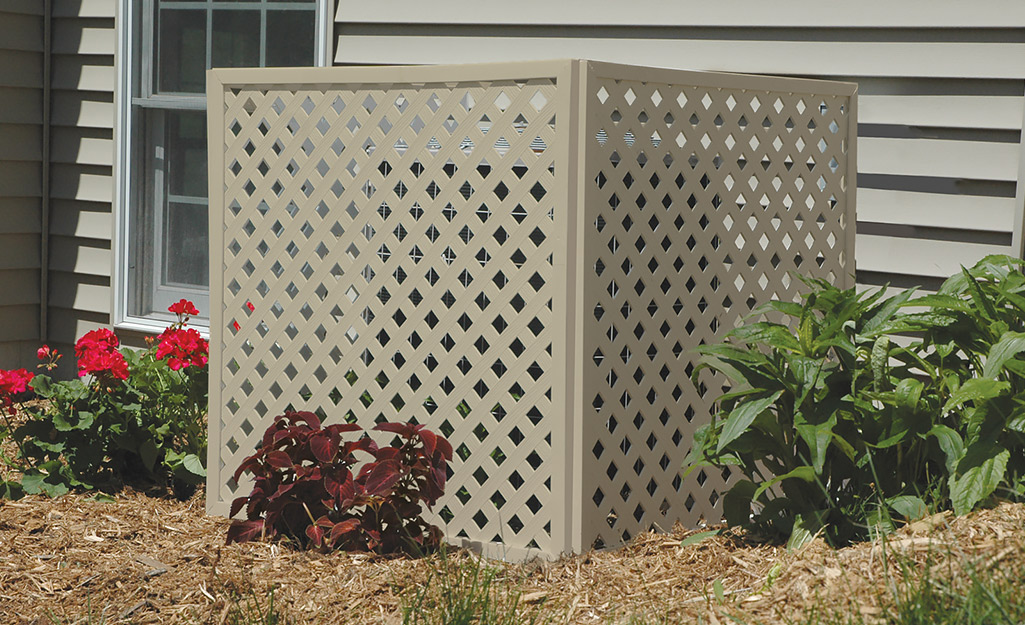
181, 51
237, 40
290, 40
176, 41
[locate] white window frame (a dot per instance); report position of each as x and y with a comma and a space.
123, 166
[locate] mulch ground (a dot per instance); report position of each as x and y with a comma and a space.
142, 559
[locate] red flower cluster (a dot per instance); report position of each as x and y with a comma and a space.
97, 354
13, 382
182, 348
183, 308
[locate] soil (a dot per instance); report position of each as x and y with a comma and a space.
144, 559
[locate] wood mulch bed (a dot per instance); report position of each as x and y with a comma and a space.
142, 559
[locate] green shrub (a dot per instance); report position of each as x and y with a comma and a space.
836, 424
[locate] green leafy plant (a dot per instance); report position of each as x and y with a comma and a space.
131, 413
838, 423
305, 487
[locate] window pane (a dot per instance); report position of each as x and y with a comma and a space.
236, 40
181, 51
186, 251
186, 153
290, 37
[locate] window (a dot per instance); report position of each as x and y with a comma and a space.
163, 232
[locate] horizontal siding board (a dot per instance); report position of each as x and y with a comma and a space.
20, 215
82, 146
83, 110
753, 13
20, 286
70, 292
21, 142
18, 354
940, 210
79, 256
21, 179
82, 73
19, 105
90, 220
19, 251
979, 160
945, 111
21, 69
85, 8
21, 31
71, 182
18, 323
920, 257
66, 325
70, 37
811, 58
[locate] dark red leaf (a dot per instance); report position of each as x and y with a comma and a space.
308, 417
278, 459
237, 505
247, 465
382, 477
244, 531
342, 528
445, 447
402, 429
316, 534
323, 447
430, 440
339, 486
343, 427
388, 453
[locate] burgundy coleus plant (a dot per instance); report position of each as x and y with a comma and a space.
305, 488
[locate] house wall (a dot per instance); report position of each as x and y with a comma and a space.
21, 179
82, 158
940, 92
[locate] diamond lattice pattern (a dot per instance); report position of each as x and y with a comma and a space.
437, 253
386, 254
700, 201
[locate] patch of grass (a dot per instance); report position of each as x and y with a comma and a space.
248, 608
467, 590
945, 590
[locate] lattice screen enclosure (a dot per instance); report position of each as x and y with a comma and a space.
520, 256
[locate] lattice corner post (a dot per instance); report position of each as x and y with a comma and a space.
520, 256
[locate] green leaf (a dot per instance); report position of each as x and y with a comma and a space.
194, 465
951, 445
805, 473
148, 452
908, 393
736, 503
817, 437
741, 417
101, 498
806, 526
879, 360
1010, 345
978, 474
975, 389
694, 539
717, 588
908, 506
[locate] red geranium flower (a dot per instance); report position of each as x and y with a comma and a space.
15, 381
101, 339
182, 348
98, 355
183, 308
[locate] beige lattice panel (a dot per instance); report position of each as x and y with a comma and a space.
520, 256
